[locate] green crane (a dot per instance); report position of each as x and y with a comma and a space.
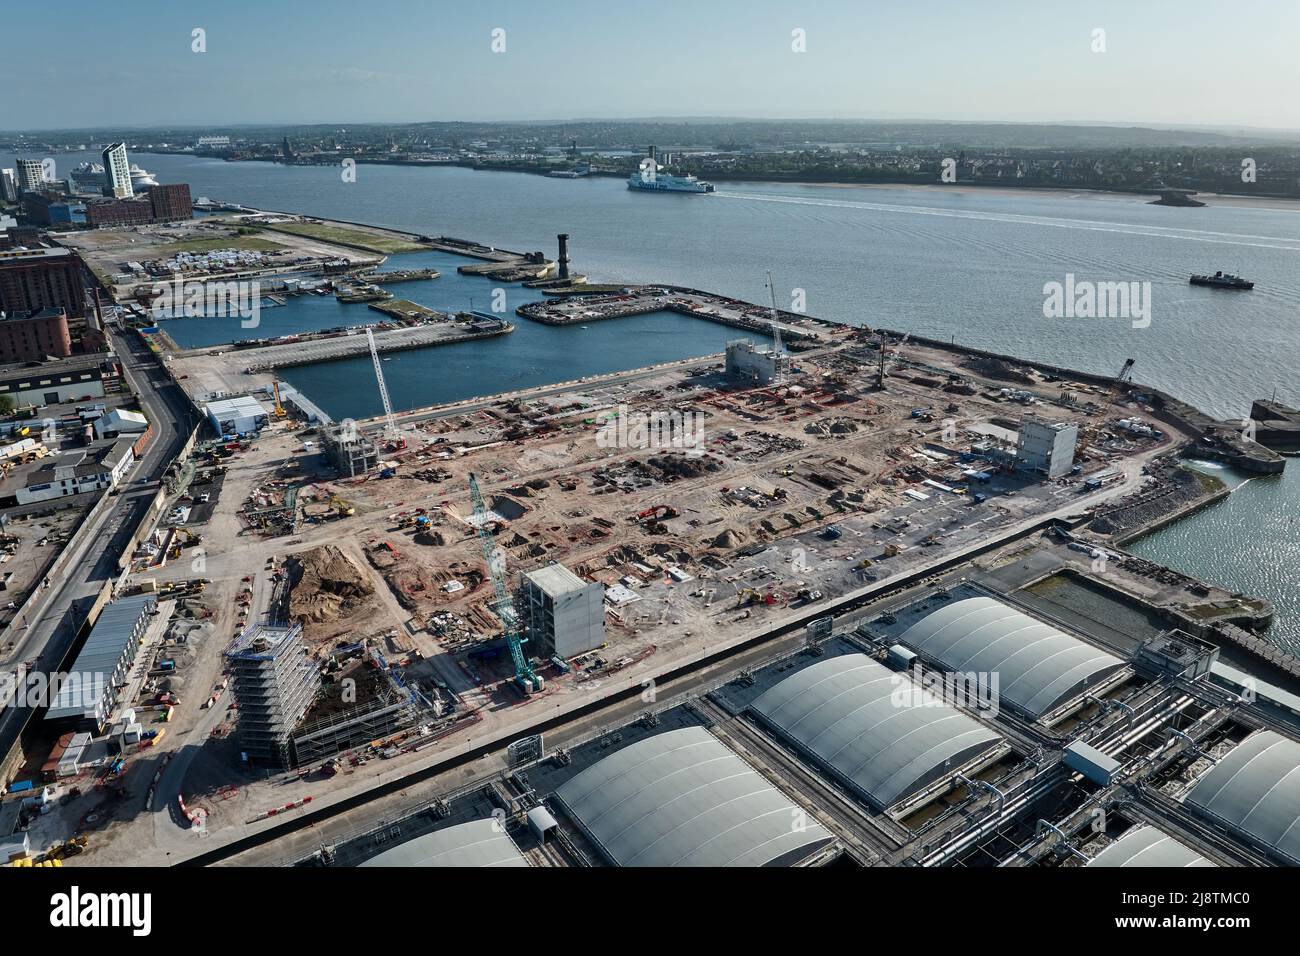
504, 608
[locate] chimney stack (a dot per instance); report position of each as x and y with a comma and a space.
564, 254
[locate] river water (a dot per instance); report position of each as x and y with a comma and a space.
969, 266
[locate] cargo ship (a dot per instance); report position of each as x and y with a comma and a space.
650, 177
1222, 280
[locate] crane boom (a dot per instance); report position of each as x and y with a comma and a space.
504, 608
390, 428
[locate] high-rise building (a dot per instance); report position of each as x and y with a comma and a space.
31, 176
9, 185
42, 278
117, 172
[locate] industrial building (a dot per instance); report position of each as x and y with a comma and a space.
1255, 792
275, 681
564, 616
65, 380
118, 422
475, 844
90, 691
34, 336
1047, 447
1146, 846
40, 279
681, 798
875, 729
236, 415
1040, 669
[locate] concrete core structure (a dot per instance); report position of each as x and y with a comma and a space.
762, 365
1047, 447
564, 614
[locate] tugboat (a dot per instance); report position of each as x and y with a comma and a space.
1222, 280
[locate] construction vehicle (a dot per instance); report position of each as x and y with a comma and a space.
525, 677
344, 508
278, 411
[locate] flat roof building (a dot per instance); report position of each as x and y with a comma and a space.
236, 415
1038, 667
40, 279
89, 693
874, 728
1047, 447
563, 614
682, 798
476, 844
1255, 791
34, 336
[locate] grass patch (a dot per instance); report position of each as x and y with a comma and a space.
369, 241
250, 243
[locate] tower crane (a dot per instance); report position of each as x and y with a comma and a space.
527, 679
391, 431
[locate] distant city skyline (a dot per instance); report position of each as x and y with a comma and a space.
134, 64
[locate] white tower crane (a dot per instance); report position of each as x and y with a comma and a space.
391, 431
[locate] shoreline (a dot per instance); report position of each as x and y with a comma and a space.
1140, 197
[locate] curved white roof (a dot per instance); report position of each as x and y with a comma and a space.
479, 843
1148, 847
681, 798
1038, 666
1255, 789
873, 726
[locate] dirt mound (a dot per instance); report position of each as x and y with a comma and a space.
432, 539
325, 585
728, 539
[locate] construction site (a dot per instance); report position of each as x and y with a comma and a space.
663, 567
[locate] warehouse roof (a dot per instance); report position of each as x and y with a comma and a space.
114, 632
681, 798
1038, 667
237, 406
1148, 847
874, 726
1255, 789
479, 843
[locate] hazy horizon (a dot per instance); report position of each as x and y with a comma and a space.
1178, 65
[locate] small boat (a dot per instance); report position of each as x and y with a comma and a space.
1222, 280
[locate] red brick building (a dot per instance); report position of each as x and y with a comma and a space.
42, 278
171, 203
118, 212
35, 336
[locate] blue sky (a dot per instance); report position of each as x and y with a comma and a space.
105, 63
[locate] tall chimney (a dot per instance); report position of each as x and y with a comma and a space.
564, 254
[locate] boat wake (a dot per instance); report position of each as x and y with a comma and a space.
1191, 235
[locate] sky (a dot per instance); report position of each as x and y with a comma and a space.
132, 63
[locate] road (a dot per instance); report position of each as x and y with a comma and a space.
46, 632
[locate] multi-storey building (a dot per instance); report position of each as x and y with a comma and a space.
117, 172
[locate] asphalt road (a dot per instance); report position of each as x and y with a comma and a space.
44, 634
